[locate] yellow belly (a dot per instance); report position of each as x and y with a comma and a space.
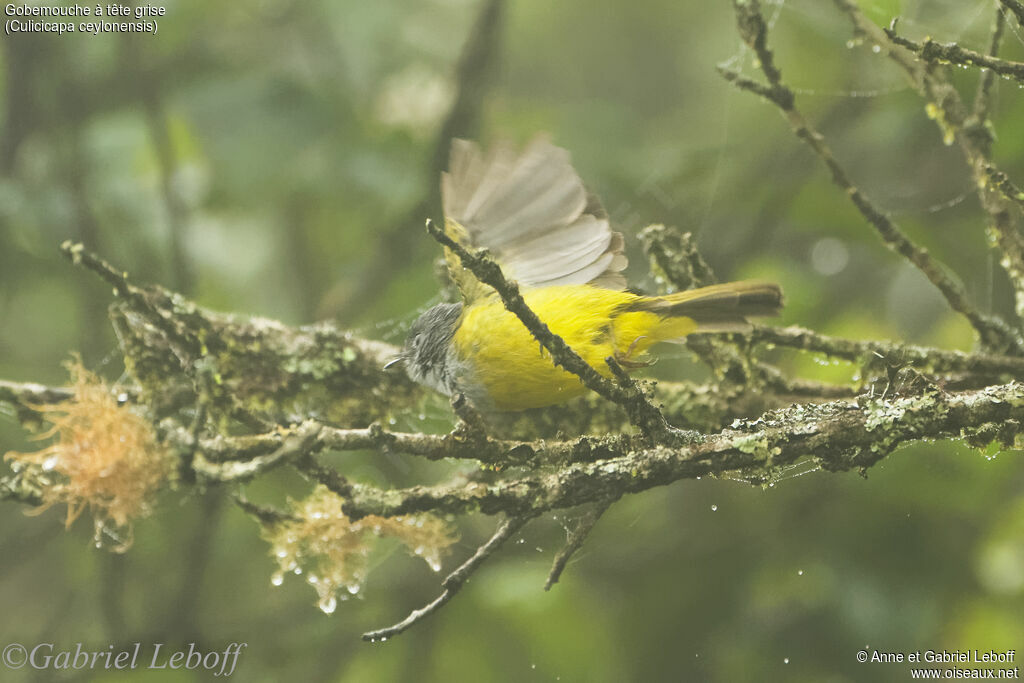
503, 361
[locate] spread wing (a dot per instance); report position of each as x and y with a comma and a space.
532, 212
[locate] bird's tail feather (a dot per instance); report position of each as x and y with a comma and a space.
718, 308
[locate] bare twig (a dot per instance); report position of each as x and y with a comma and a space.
926, 358
264, 514
454, 581
575, 539
974, 137
952, 53
795, 388
332, 479
993, 332
983, 95
301, 442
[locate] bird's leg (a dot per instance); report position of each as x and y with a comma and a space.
625, 361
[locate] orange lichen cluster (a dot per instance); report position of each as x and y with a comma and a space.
333, 551
104, 457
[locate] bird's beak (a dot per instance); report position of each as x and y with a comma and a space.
393, 361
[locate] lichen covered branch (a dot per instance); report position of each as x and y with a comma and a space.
1002, 182
839, 436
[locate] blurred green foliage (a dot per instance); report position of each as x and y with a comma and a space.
300, 138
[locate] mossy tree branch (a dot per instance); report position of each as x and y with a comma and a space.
839, 436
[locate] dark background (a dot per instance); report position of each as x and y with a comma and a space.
278, 158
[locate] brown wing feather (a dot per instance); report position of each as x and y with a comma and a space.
533, 213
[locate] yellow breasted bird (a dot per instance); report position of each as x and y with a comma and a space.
532, 212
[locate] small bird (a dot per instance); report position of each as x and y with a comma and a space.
537, 220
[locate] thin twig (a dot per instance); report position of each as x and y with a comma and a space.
947, 109
454, 581
575, 540
308, 465
148, 302
983, 95
941, 53
993, 332
927, 358
301, 442
264, 514
80, 256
